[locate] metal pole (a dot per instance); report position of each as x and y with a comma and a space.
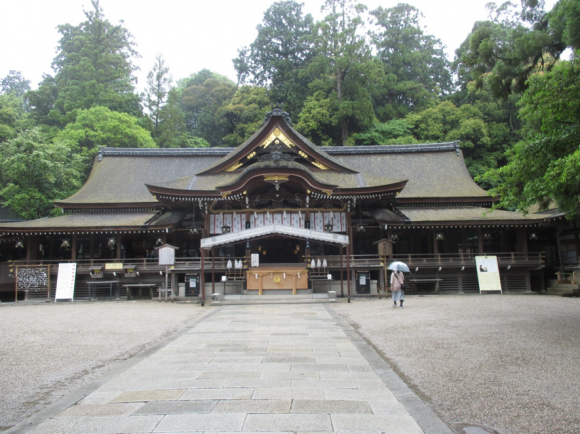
348, 270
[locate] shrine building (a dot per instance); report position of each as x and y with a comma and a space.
278, 215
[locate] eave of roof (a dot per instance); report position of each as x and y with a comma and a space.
464, 215
98, 222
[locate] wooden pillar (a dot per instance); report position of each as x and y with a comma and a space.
349, 233
92, 247
213, 271
435, 242
341, 273
51, 243
521, 240
480, 240
73, 253
348, 271
119, 241
202, 277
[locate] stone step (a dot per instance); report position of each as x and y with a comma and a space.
254, 297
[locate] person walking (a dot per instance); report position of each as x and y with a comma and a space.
397, 280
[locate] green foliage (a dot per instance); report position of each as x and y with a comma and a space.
34, 172
204, 94
100, 126
315, 120
503, 52
395, 132
448, 123
416, 68
564, 22
12, 116
15, 84
172, 131
545, 165
158, 85
344, 71
244, 114
279, 53
93, 67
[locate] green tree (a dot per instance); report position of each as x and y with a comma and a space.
158, 86
100, 126
15, 84
417, 71
35, 172
244, 114
506, 50
447, 123
394, 132
12, 116
172, 131
204, 94
545, 165
279, 53
343, 73
92, 67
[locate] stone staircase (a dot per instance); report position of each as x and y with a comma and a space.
278, 298
564, 289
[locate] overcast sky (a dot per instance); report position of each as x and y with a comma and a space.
191, 34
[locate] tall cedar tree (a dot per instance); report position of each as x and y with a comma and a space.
343, 73
280, 51
417, 71
92, 68
158, 86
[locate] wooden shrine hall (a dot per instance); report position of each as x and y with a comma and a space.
278, 215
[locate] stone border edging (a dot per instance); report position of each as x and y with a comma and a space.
426, 418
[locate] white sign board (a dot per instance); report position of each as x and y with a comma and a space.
65, 283
255, 259
166, 256
192, 283
488, 273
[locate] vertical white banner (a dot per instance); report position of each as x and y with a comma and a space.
65, 282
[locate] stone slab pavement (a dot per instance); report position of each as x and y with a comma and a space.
254, 369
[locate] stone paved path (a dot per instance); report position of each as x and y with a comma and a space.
262, 368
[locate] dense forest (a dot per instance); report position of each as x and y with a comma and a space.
358, 77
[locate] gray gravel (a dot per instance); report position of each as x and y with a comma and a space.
510, 362
49, 350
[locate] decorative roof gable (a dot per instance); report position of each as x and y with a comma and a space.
276, 141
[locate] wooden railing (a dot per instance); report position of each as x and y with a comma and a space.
151, 265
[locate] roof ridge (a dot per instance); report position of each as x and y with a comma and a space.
331, 150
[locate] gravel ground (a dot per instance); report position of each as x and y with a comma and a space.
509, 362
50, 350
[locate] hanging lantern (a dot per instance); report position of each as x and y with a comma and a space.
159, 241
226, 229
194, 230
19, 244
111, 242
487, 236
65, 244
328, 227
395, 237
440, 236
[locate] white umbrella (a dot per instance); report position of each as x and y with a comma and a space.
399, 266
